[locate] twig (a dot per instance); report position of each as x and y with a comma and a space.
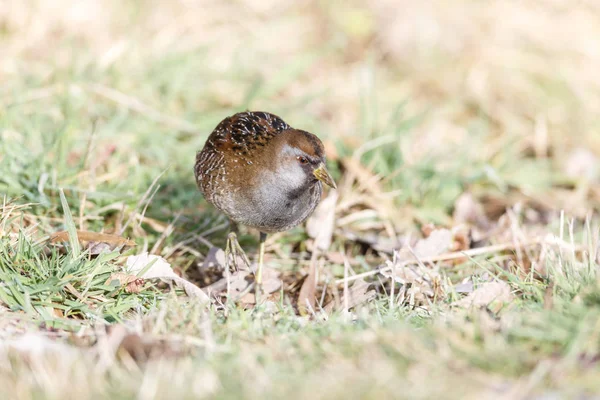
165, 234
148, 195
444, 257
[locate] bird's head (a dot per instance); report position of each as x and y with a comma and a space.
300, 160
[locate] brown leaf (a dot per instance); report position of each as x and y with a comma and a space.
462, 241
132, 283
247, 300
375, 241
240, 282
489, 294
271, 280
307, 295
321, 224
424, 282
190, 289
358, 293
214, 259
438, 242
96, 243
269, 302
162, 270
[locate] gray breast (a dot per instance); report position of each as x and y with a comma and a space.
277, 211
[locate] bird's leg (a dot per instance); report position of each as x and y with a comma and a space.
233, 248
261, 257
259, 270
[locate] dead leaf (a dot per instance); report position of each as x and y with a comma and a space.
135, 286
248, 299
321, 224
375, 241
438, 242
214, 259
462, 241
161, 269
490, 294
95, 243
388, 244
424, 283
190, 289
269, 304
241, 280
240, 284
271, 280
307, 295
132, 283
358, 293
96, 248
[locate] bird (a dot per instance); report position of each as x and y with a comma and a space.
261, 173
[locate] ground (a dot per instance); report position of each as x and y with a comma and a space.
458, 258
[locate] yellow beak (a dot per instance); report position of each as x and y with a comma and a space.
322, 174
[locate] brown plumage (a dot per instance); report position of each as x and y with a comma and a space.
261, 172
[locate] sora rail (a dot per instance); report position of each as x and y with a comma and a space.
262, 173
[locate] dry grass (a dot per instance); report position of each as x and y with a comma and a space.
458, 132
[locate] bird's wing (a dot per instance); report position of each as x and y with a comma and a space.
247, 130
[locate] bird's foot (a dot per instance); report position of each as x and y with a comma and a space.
234, 252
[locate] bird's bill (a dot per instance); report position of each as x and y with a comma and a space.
323, 175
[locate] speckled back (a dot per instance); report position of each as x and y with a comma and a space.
237, 136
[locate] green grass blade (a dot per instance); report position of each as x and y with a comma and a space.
70, 226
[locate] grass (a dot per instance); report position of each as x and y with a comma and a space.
459, 115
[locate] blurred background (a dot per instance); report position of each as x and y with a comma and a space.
431, 99
461, 128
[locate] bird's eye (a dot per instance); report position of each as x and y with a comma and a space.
302, 160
